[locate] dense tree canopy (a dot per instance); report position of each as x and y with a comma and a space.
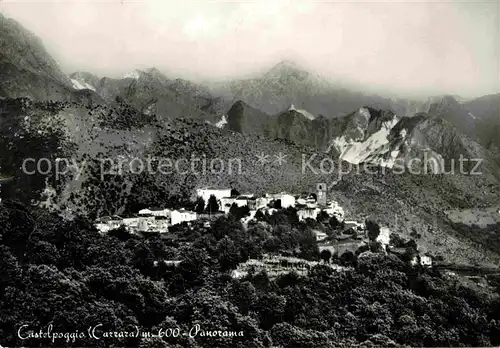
212, 204
67, 274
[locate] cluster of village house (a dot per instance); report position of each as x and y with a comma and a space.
159, 220
307, 205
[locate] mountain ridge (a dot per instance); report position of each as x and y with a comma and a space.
149, 113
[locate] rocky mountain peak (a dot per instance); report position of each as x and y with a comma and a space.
155, 72
286, 65
287, 70
443, 104
302, 112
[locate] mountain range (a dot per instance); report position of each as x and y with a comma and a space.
45, 113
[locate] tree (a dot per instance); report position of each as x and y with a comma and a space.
396, 241
348, 258
270, 307
259, 215
326, 255
334, 222
373, 230
277, 204
243, 295
227, 254
200, 205
376, 247
410, 253
234, 193
411, 244
322, 216
363, 248
415, 234
291, 214
213, 205
120, 233
350, 231
239, 212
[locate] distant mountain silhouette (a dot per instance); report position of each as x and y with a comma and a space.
287, 83
152, 92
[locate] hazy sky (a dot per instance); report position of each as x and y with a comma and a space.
406, 47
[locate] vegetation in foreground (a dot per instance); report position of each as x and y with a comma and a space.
66, 274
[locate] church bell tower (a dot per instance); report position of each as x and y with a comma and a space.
321, 194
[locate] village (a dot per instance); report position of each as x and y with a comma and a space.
307, 206
160, 219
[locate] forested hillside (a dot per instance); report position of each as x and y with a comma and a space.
68, 275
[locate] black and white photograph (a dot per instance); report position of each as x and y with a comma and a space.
249, 173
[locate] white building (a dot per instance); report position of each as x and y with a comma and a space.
308, 213
158, 226
155, 212
140, 223
105, 227
179, 216
384, 236
334, 209
108, 223
133, 224
287, 201
241, 201
306, 200
425, 261
261, 202
219, 193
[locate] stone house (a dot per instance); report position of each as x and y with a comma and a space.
181, 215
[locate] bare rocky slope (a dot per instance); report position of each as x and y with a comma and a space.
425, 141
